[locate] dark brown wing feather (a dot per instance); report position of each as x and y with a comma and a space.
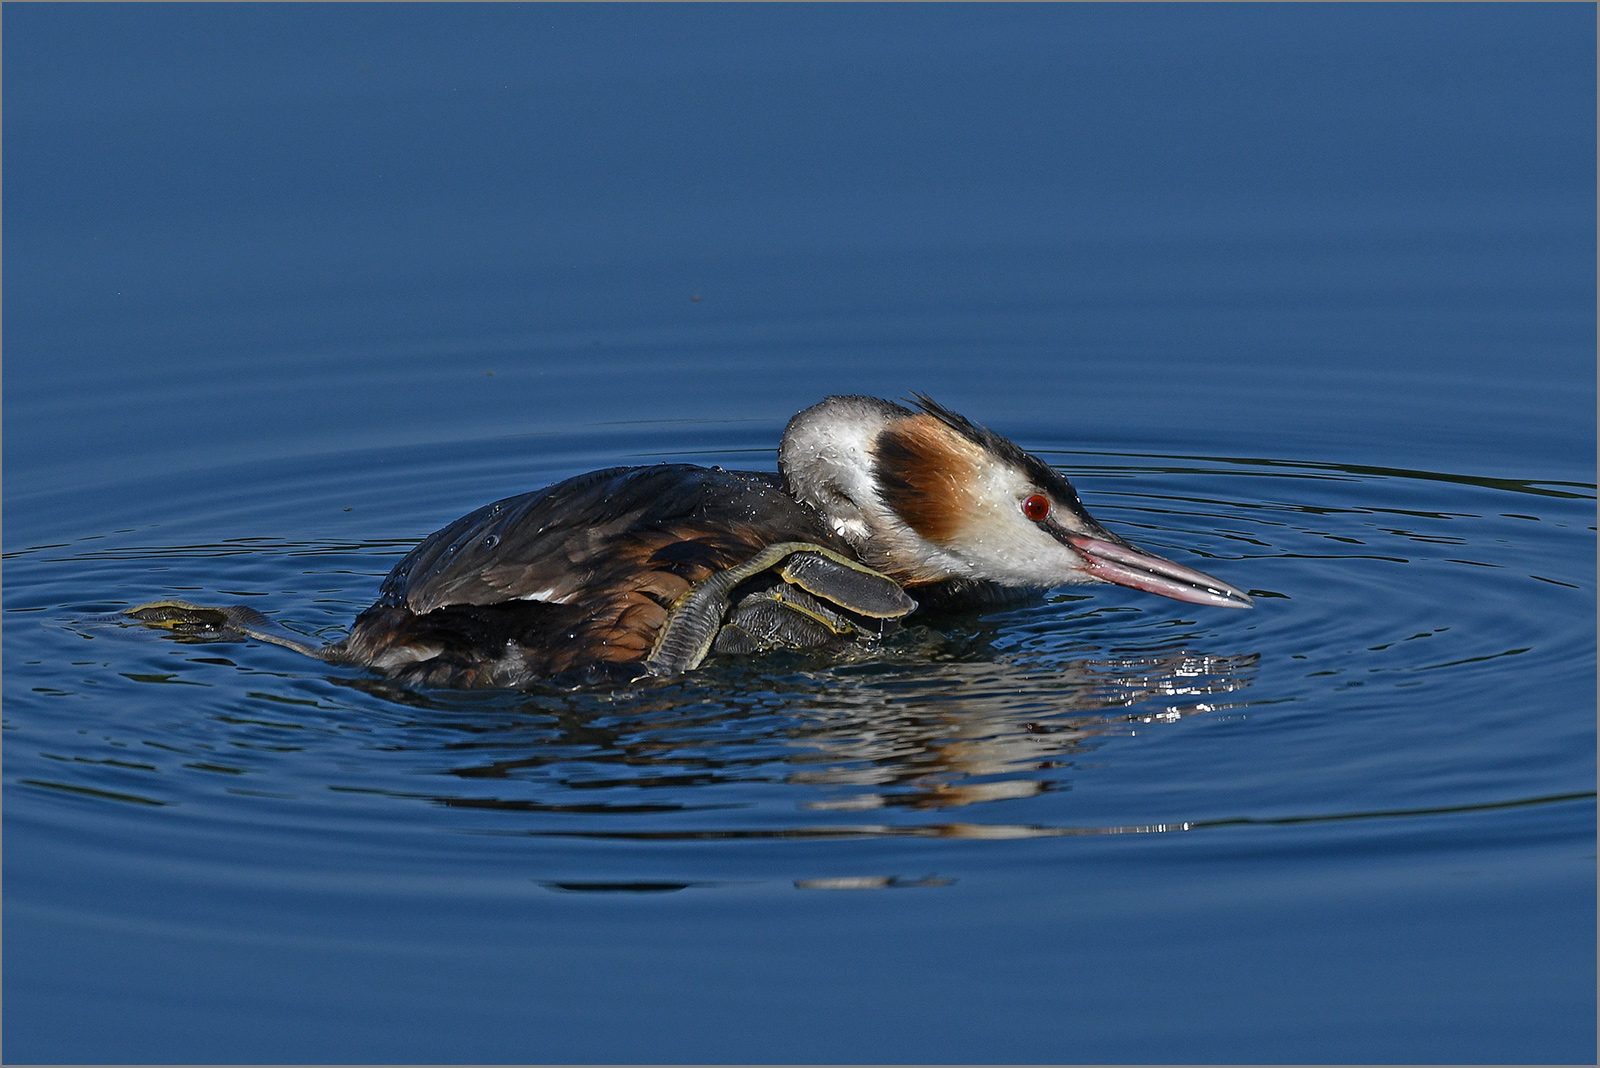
551, 545
578, 574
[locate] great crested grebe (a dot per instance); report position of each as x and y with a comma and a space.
877, 509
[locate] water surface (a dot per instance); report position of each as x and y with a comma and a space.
276, 313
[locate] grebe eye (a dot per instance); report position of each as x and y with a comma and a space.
1036, 507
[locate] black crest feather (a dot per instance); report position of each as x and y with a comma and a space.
1046, 477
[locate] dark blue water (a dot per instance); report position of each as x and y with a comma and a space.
1303, 296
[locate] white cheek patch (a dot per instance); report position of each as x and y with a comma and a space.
1000, 543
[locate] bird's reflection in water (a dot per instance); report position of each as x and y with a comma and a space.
971, 726
986, 730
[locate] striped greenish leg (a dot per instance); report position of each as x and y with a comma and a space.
697, 616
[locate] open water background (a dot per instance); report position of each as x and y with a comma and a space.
1302, 295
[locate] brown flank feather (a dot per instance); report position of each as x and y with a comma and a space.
615, 620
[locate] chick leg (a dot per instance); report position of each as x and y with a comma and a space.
697, 618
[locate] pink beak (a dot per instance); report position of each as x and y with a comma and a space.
1127, 566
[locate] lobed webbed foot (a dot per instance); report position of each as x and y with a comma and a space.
227, 623
823, 594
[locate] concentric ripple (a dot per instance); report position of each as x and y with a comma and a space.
1392, 606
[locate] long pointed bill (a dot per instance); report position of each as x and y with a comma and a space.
1128, 566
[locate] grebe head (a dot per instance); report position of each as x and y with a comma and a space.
927, 495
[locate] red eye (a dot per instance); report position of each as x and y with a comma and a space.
1036, 507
